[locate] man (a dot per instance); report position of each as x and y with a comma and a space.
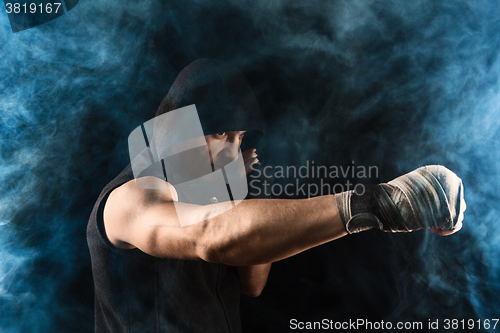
154, 273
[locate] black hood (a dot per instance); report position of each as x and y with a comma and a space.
223, 98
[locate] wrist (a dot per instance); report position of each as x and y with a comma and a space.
357, 210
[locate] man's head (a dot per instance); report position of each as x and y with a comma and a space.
223, 98
209, 99
196, 138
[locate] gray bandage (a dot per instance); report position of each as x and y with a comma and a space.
428, 197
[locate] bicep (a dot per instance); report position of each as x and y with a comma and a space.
147, 219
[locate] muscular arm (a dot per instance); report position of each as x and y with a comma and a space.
254, 232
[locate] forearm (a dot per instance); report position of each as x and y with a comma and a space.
262, 231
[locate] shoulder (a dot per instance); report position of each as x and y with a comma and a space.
127, 202
145, 190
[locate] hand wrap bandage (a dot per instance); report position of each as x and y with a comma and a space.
428, 197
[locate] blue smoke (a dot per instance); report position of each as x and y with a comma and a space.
395, 84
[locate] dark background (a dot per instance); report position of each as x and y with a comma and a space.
392, 84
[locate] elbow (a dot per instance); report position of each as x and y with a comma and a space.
221, 246
225, 254
206, 251
212, 247
219, 253
209, 253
